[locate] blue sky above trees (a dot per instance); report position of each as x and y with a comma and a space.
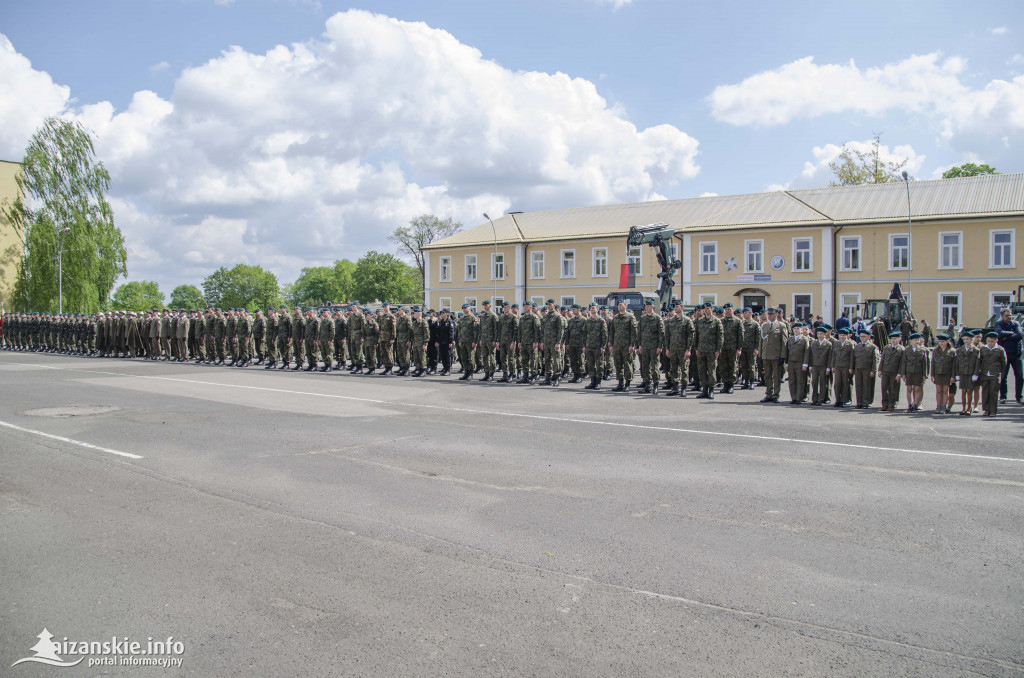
292, 133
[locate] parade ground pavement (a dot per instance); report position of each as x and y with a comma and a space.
310, 524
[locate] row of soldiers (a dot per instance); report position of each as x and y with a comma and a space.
702, 349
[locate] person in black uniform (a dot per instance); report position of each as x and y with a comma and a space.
443, 336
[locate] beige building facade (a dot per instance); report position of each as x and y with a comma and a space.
813, 252
10, 241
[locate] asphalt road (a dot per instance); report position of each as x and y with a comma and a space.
283, 523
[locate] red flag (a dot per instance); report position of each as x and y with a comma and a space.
627, 277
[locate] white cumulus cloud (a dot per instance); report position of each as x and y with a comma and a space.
922, 84
816, 172
998, 30
318, 150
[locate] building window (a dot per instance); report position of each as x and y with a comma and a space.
802, 306
899, 252
472, 304
754, 254
634, 261
497, 266
1002, 249
537, 300
949, 308
498, 302
713, 298
600, 262
802, 254
997, 301
850, 305
598, 299
446, 269
949, 250
568, 263
850, 247
709, 257
568, 301
446, 302
536, 265
470, 267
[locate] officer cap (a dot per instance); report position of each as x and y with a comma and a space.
942, 336
894, 334
728, 304
844, 330
917, 335
991, 335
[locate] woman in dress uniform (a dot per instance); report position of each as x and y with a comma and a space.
943, 371
914, 370
967, 355
991, 363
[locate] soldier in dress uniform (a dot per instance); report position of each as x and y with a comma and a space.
798, 360
889, 369
774, 337
865, 364
443, 338
821, 364
943, 372
842, 367
967, 356
991, 363
914, 369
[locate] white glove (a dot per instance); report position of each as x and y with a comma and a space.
974, 377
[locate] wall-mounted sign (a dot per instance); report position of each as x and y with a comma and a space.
777, 262
730, 264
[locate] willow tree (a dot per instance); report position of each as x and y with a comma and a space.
64, 221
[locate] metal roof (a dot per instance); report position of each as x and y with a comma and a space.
989, 195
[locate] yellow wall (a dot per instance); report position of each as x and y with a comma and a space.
975, 280
10, 243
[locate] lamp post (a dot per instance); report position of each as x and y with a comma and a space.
910, 237
494, 265
60, 269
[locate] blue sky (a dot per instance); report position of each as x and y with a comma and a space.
290, 133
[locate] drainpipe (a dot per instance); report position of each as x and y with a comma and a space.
835, 269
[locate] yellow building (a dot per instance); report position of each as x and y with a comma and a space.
10, 242
813, 252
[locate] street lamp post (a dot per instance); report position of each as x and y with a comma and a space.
60, 269
494, 264
910, 237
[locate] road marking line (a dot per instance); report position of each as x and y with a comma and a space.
571, 420
72, 442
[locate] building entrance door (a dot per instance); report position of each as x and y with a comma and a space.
755, 302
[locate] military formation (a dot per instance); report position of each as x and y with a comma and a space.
674, 353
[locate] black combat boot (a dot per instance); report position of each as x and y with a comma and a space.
728, 387
654, 388
271, 366
621, 387
555, 381
487, 376
597, 383
703, 393
711, 394
682, 390
547, 381
592, 385
465, 375
644, 387
372, 370
674, 390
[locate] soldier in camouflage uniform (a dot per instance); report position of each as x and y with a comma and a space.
370, 336
552, 336
678, 340
270, 338
748, 349
403, 340
709, 347
340, 338
243, 330
310, 334
528, 340
284, 336
508, 330
298, 336
419, 337
489, 336
356, 323
468, 334
622, 337
732, 342
386, 338
650, 344
259, 336
595, 341
325, 335
575, 341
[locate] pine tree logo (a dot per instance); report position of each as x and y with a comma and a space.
46, 652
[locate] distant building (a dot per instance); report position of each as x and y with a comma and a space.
10, 242
815, 252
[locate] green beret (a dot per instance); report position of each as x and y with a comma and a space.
894, 334
991, 335
942, 336
917, 335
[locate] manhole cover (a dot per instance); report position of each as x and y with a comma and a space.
71, 411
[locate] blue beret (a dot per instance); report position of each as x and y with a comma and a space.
486, 301
648, 302
728, 304
746, 309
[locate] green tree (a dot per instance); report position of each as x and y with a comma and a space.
385, 277
853, 167
188, 297
242, 286
64, 221
315, 286
421, 231
138, 295
344, 274
968, 170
